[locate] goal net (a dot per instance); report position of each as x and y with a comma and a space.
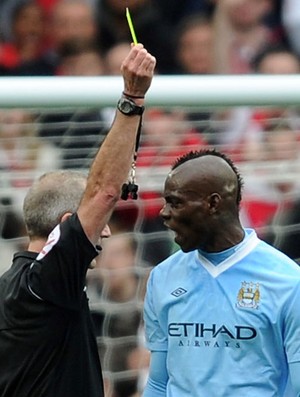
263, 140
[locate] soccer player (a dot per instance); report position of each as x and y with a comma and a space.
221, 314
47, 344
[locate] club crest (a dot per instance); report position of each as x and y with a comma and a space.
248, 295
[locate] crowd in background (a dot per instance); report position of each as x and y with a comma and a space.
58, 37
199, 37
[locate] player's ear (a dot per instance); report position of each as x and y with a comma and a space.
65, 216
213, 202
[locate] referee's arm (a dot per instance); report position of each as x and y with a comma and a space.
112, 163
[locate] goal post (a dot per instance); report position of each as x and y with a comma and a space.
186, 90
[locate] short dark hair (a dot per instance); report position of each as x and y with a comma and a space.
213, 152
274, 49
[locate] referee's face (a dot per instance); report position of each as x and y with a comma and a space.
104, 234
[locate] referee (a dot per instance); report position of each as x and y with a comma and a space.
47, 344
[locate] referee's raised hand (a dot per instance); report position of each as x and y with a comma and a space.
138, 70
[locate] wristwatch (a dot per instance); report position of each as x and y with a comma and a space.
129, 108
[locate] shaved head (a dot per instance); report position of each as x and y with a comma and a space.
213, 170
202, 195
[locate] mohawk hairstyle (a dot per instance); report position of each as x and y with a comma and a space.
212, 152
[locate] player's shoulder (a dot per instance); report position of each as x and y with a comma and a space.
175, 256
276, 257
173, 263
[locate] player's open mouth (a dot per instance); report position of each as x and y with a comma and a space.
170, 228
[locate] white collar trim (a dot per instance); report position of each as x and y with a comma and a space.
252, 241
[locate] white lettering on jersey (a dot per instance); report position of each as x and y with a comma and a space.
52, 240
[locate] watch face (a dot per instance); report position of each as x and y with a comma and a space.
126, 106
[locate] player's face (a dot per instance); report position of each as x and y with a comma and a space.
186, 212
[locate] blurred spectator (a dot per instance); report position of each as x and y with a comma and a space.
7, 250
6, 11
241, 128
71, 20
117, 277
194, 39
124, 219
47, 5
77, 133
285, 231
194, 55
273, 137
116, 288
22, 150
240, 32
166, 134
139, 359
133, 360
6, 5
173, 11
272, 185
290, 15
114, 57
27, 43
23, 157
268, 139
80, 57
150, 29
68, 21
277, 59
12, 230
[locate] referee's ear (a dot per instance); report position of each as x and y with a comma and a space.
65, 216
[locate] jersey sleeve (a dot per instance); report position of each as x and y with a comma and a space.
292, 339
293, 389
158, 376
58, 273
156, 338
292, 327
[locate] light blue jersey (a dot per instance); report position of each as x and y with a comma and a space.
229, 330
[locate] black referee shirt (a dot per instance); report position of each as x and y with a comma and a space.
47, 343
